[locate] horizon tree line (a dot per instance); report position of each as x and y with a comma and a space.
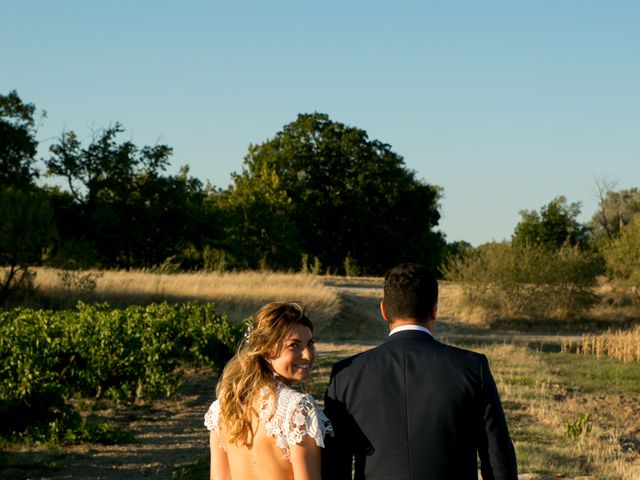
319, 196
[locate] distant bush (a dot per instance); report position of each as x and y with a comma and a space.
96, 351
622, 254
351, 267
525, 281
310, 267
79, 282
217, 260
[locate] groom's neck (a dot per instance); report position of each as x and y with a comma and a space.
430, 323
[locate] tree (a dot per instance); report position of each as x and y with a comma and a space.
457, 249
18, 144
175, 217
104, 168
122, 206
622, 254
26, 230
555, 226
326, 190
26, 222
615, 209
259, 230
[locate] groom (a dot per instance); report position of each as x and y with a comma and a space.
414, 408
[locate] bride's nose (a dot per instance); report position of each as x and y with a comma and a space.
307, 353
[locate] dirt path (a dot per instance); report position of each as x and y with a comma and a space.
170, 433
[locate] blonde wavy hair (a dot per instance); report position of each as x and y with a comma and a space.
249, 370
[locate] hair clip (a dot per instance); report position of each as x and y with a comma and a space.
248, 330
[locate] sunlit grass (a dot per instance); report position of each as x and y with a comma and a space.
623, 345
238, 294
545, 396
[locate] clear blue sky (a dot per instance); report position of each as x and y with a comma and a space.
504, 104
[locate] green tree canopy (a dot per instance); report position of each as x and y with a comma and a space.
18, 144
324, 189
105, 167
554, 226
121, 205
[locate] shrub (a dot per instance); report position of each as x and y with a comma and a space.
96, 351
216, 259
525, 281
578, 427
308, 267
351, 267
622, 254
79, 282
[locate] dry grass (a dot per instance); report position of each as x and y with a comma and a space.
623, 345
618, 303
558, 428
452, 304
239, 295
340, 307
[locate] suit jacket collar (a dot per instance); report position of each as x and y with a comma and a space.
400, 328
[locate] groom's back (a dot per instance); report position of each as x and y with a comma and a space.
414, 401
414, 408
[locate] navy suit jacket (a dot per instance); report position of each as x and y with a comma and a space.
414, 408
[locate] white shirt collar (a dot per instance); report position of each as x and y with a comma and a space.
402, 328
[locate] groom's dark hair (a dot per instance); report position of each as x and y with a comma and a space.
410, 292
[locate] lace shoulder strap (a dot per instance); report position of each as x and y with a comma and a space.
303, 417
211, 417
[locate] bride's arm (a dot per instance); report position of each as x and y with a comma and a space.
219, 460
305, 459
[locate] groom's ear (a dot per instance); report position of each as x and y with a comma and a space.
383, 311
434, 311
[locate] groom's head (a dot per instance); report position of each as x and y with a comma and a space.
410, 294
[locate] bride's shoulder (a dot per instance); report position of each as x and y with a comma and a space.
294, 416
211, 417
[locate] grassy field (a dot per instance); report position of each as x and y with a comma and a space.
238, 295
573, 413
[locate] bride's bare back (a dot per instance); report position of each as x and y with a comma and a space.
264, 460
288, 435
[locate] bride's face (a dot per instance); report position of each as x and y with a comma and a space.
296, 355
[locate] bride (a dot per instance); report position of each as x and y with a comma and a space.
261, 428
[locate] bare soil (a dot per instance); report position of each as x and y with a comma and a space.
169, 433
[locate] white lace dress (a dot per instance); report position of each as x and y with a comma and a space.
294, 415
